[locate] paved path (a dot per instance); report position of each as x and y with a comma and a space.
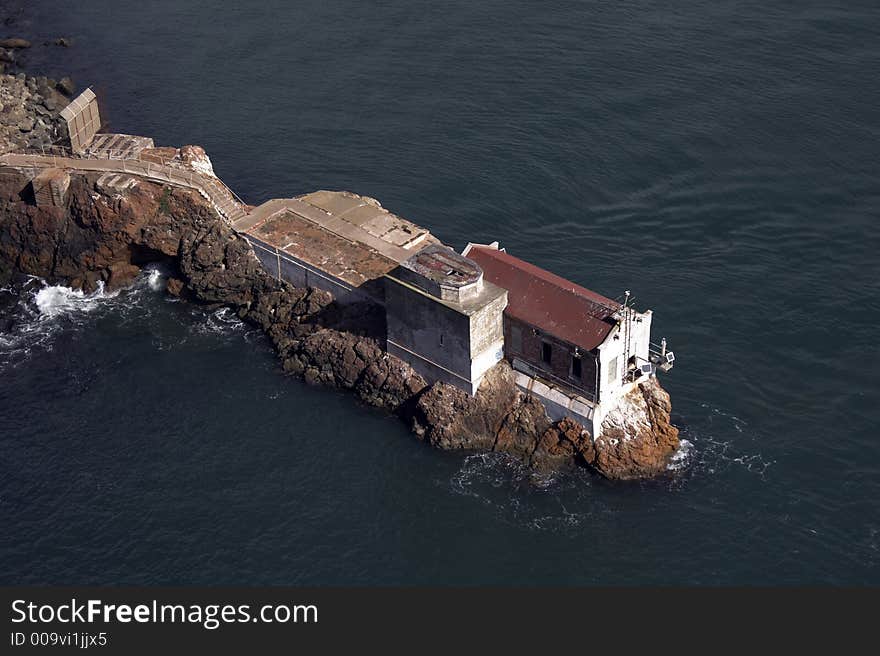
224, 201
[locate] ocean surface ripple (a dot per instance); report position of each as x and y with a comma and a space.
718, 159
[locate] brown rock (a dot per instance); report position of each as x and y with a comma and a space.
174, 286
121, 274
15, 43
637, 439
66, 86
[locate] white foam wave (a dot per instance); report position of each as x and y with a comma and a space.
220, 322
681, 458
56, 300
42, 310
155, 278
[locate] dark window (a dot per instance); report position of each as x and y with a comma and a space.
441, 339
546, 352
575, 367
515, 339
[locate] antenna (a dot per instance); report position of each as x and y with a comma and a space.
627, 333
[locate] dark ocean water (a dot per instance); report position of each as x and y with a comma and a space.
719, 159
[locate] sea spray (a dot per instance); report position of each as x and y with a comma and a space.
55, 300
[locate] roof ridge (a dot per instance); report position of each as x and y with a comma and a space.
548, 276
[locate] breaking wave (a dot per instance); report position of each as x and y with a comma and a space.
35, 313
220, 322
55, 300
681, 458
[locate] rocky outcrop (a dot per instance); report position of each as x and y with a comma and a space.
110, 228
105, 234
637, 436
29, 112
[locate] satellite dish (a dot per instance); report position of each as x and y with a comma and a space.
670, 357
647, 369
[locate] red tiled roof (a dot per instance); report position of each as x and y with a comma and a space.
546, 301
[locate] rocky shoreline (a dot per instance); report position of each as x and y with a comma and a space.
106, 234
29, 105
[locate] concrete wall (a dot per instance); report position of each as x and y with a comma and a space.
441, 342
81, 120
301, 274
50, 187
487, 337
557, 403
430, 336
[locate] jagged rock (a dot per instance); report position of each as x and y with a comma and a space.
174, 286
196, 158
120, 274
24, 119
66, 86
637, 438
62, 41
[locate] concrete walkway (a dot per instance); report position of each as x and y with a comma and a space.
224, 201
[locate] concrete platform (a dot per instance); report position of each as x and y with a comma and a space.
309, 242
348, 237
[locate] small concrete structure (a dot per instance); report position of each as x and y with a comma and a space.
443, 318
115, 184
81, 121
117, 146
50, 187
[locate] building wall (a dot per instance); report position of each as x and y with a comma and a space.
487, 337
432, 337
610, 366
302, 274
641, 340
441, 342
521, 342
612, 355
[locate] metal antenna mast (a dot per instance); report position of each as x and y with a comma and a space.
627, 334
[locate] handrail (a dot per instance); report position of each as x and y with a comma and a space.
224, 201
